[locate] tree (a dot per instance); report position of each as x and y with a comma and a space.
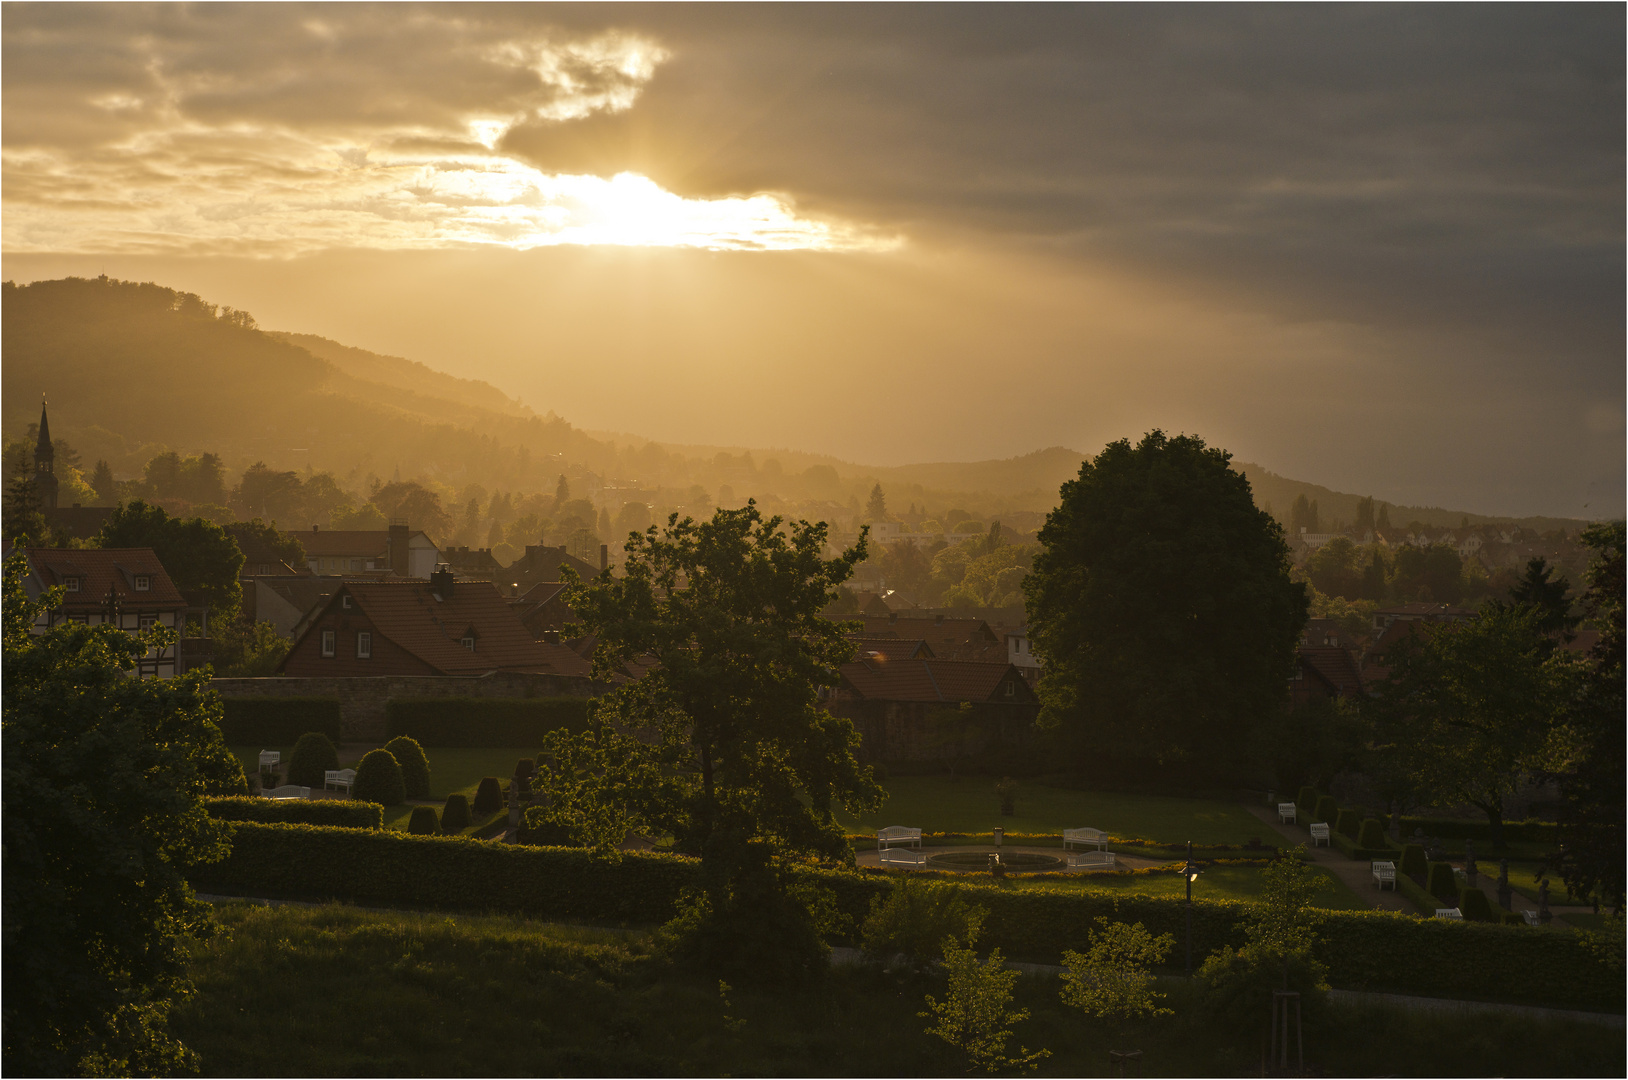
1303, 516
256, 534
1162, 607
562, 493
1334, 568
264, 492
876, 507
1431, 574
1365, 512
245, 649
199, 556
976, 1016
1535, 589
1465, 707
1112, 978
103, 782
751, 765
102, 482
412, 502
24, 523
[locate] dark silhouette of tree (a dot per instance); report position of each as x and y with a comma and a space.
102, 482
1335, 570
1365, 512
267, 493
1432, 574
876, 507
199, 556
411, 501
1303, 515
1537, 590
23, 520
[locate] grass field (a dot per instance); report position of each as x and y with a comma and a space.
336, 991
968, 804
1216, 882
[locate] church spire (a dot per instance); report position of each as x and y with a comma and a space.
45, 458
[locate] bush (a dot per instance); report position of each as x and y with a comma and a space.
278, 721
482, 722
1473, 905
314, 754
914, 918
455, 815
1442, 883
423, 821
415, 767
378, 779
1413, 862
341, 813
1306, 801
1348, 823
488, 796
538, 827
1327, 809
1372, 834
1239, 983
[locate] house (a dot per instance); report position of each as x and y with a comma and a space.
1395, 623
79, 522
1323, 672
542, 564
127, 587
951, 637
1384, 617
1018, 653
543, 610
923, 709
286, 601
398, 550
477, 564
890, 648
404, 626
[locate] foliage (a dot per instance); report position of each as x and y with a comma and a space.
424, 821
913, 919
198, 555
455, 815
1162, 607
258, 534
23, 520
1327, 809
1239, 983
1306, 801
340, 813
1339, 569
1113, 978
488, 796
1283, 922
244, 649
1372, 834
1473, 905
104, 779
1537, 589
378, 779
278, 721
479, 722
414, 503
976, 1016
1413, 862
313, 755
1442, 883
600, 784
1348, 823
876, 506
415, 767
1432, 574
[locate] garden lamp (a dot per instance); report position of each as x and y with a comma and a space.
1190, 872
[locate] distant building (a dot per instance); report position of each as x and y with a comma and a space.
541, 565
79, 522
1018, 653
126, 587
477, 564
399, 550
950, 637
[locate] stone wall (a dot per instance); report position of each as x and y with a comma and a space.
362, 698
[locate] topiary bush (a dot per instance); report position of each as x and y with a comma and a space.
423, 822
1442, 883
1327, 809
1413, 862
1473, 904
914, 919
1372, 834
455, 815
1348, 823
378, 779
415, 767
313, 755
488, 796
1306, 801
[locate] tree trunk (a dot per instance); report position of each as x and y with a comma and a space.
1493, 807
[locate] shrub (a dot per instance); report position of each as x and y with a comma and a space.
342, 813
415, 767
488, 796
1473, 904
482, 722
914, 918
1114, 979
1372, 834
1511, 918
455, 815
537, 826
314, 754
1327, 809
378, 779
1306, 801
278, 721
1348, 823
423, 821
1413, 862
1442, 883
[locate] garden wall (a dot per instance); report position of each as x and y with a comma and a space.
930, 731
363, 700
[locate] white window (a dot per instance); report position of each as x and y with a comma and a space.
344, 602
143, 583
364, 645
469, 643
71, 584
1011, 689
145, 622
327, 643
356, 564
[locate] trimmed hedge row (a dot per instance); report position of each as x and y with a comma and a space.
1352, 849
343, 813
1369, 950
278, 721
482, 722
1458, 829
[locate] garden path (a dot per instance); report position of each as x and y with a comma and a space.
1123, 862
1354, 873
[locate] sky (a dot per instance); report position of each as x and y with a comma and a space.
1378, 248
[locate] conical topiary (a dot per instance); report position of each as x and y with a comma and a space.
1413, 862
455, 815
378, 779
1372, 834
1442, 883
423, 821
314, 754
1306, 801
1348, 823
1327, 809
415, 767
1473, 904
489, 796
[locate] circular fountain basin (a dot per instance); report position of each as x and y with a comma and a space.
1016, 862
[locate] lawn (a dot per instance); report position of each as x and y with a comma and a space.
1215, 882
337, 991
969, 805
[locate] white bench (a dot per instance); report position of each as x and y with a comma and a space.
1286, 813
287, 791
1384, 870
903, 857
1449, 913
897, 834
1319, 833
1091, 860
270, 759
1531, 918
338, 779
1095, 837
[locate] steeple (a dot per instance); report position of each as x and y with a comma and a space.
45, 458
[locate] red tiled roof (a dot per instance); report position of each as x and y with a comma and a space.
97, 569
1335, 665
891, 648
367, 543
933, 680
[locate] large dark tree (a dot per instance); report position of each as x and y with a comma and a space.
199, 556
1538, 589
1162, 607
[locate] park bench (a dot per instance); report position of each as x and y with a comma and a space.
1286, 813
897, 834
903, 857
1095, 837
1319, 833
1091, 860
339, 779
287, 791
1531, 918
1384, 870
1449, 913
270, 759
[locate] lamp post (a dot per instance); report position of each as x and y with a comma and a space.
1191, 875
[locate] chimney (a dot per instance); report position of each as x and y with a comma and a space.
441, 581
314, 528
604, 557
396, 549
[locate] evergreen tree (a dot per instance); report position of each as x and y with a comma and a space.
102, 482
876, 507
1535, 589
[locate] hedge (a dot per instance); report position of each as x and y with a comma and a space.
278, 721
1352, 849
1365, 950
344, 813
482, 722
424, 821
1442, 883
1460, 829
1413, 861
1348, 823
313, 756
1327, 810
1306, 801
488, 796
415, 767
455, 815
378, 778
1372, 834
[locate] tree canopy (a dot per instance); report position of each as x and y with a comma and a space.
1162, 606
200, 557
